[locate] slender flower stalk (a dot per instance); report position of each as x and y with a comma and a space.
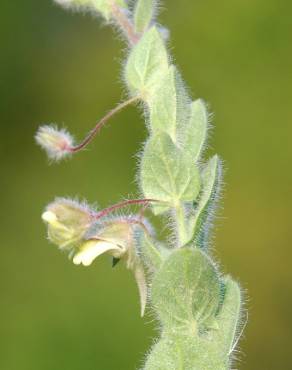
125, 203
101, 123
59, 143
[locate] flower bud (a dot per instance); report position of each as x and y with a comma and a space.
57, 143
68, 221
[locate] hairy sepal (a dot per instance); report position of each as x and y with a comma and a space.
168, 174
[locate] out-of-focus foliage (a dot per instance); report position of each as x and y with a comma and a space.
57, 67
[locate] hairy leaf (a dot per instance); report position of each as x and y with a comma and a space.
168, 174
147, 63
229, 317
182, 352
143, 14
169, 104
204, 212
195, 131
186, 291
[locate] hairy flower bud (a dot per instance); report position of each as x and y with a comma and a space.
57, 143
68, 221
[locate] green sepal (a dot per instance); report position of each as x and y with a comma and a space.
143, 14
168, 174
204, 210
146, 64
186, 292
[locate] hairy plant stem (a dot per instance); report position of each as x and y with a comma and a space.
181, 225
198, 307
124, 23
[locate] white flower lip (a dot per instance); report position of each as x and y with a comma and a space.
91, 250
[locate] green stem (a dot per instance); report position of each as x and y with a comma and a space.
181, 225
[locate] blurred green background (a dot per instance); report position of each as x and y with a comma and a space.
65, 68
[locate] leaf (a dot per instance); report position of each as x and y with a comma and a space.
176, 351
195, 131
168, 174
201, 221
149, 252
229, 317
143, 14
147, 62
186, 291
169, 104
